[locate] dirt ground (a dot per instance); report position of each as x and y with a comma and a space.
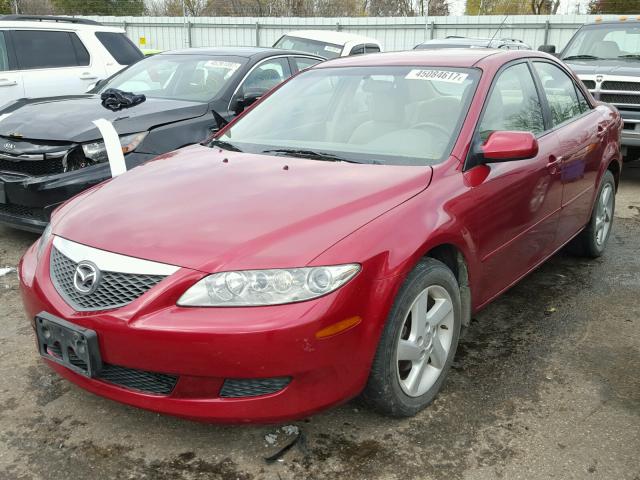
546, 385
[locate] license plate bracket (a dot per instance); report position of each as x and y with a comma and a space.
69, 345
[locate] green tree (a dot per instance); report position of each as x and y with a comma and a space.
99, 7
614, 6
497, 7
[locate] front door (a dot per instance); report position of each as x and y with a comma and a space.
517, 205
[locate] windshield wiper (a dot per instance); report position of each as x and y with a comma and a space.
635, 56
581, 57
225, 145
292, 152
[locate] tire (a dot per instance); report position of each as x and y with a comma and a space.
400, 387
592, 241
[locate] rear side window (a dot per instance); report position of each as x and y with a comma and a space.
305, 62
120, 47
42, 49
560, 92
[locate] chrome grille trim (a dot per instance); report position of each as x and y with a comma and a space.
626, 95
109, 261
116, 288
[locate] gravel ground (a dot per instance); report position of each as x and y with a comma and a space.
546, 385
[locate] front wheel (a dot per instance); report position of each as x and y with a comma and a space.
592, 241
418, 343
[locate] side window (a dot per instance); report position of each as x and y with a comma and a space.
302, 63
267, 75
42, 49
4, 54
371, 48
560, 92
513, 104
357, 50
120, 47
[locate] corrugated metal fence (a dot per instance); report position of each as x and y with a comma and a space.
395, 33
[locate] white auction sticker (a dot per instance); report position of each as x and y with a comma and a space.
222, 64
331, 49
437, 76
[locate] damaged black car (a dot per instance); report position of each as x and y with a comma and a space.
50, 149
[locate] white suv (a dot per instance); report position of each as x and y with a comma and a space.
50, 56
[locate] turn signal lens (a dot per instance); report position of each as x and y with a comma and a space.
338, 327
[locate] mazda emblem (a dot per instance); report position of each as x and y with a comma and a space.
86, 278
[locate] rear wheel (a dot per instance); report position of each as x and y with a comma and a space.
592, 241
418, 343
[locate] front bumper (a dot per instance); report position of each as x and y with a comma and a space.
206, 348
29, 200
631, 128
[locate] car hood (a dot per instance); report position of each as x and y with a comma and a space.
70, 118
605, 67
213, 210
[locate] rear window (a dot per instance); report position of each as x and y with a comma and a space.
323, 49
120, 47
41, 49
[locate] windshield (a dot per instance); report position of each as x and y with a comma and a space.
324, 49
384, 115
605, 42
197, 78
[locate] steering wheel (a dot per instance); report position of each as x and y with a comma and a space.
435, 126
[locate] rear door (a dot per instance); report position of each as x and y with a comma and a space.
516, 208
579, 134
52, 62
11, 85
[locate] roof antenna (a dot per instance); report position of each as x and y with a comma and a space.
499, 28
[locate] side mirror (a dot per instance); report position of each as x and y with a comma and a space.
245, 100
547, 49
508, 146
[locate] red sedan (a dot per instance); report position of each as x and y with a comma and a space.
332, 241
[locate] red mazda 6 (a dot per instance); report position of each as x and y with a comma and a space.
333, 241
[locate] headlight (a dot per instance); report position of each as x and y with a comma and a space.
267, 287
97, 152
44, 240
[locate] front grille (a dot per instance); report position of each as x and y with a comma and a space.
590, 84
252, 387
623, 86
115, 289
620, 98
49, 166
140, 380
21, 211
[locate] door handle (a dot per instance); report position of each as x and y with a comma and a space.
554, 164
7, 83
601, 131
87, 76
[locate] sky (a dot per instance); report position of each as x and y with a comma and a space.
566, 6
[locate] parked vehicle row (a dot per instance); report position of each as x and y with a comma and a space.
50, 150
330, 242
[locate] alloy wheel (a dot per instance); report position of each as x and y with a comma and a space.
424, 341
604, 214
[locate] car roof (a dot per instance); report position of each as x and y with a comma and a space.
331, 36
445, 57
246, 52
480, 42
55, 25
